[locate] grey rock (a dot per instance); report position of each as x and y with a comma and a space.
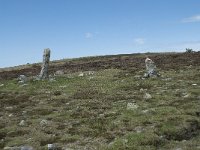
145, 111
186, 95
131, 106
43, 123
81, 75
51, 146
52, 79
23, 85
101, 115
1, 85
22, 79
63, 86
143, 90
138, 129
137, 76
150, 69
167, 79
10, 115
22, 123
44, 73
147, 96
59, 72
90, 72
27, 148
179, 149
194, 84
9, 108
12, 148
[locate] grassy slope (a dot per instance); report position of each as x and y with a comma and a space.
90, 111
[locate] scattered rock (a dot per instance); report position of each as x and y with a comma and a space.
24, 112
63, 86
81, 75
91, 73
147, 96
10, 115
138, 129
59, 72
145, 111
26, 148
52, 79
179, 149
12, 148
132, 106
51, 146
101, 115
1, 85
22, 79
161, 137
186, 95
9, 108
43, 123
90, 78
137, 76
23, 85
194, 84
142, 90
22, 123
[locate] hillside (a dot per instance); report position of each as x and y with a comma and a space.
103, 103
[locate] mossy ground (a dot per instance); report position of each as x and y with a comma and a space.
90, 111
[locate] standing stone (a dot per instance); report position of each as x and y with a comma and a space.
150, 68
44, 74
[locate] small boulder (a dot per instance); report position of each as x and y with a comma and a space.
22, 79
9, 108
12, 148
43, 123
132, 106
81, 75
51, 146
59, 73
27, 148
147, 96
22, 123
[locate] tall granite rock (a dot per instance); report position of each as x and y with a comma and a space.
44, 73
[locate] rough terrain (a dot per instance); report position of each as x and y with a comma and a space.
103, 103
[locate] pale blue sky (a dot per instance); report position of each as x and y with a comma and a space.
77, 28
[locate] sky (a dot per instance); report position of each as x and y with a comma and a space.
79, 28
